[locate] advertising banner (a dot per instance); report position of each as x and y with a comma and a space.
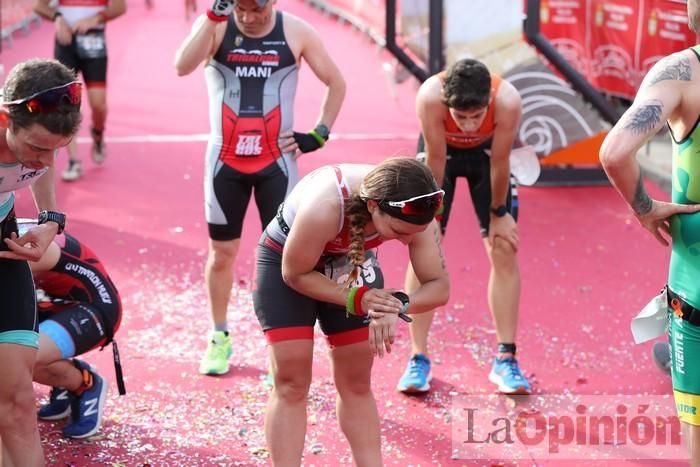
664, 31
614, 43
560, 21
614, 31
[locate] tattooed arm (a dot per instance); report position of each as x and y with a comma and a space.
673, 67
428, 260
659, 97
617, 155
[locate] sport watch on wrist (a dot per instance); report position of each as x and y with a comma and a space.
500, 211
52, 216
323, 131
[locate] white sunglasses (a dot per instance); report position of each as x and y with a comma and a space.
402, 204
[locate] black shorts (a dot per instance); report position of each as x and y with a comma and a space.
285, 314
78, 328
231, 192
18, 324
94, 70
474, 164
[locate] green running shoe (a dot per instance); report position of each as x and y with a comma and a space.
215, 360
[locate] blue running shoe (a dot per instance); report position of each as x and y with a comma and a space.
417, 376
507, 376
86, 413
58, 406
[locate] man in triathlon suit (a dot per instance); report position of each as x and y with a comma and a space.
79, 309
81, 46
39, 113
670, 95
252, 61
312, 266
469, 119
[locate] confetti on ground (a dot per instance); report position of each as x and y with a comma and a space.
587, 268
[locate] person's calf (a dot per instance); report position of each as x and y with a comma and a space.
98, 147
61, 373
691, 433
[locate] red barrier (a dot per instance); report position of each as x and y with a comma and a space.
614, 43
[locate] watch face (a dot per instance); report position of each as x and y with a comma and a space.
404, 300
500, 211
25, 225
322, 130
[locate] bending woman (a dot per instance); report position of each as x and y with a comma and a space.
315, 263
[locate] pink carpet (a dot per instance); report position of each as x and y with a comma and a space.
587, 268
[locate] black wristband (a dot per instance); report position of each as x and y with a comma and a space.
499, 211
405, 301
56, 14
506, 348
53, 216
306, 142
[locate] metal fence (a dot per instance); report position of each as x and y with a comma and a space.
15, 15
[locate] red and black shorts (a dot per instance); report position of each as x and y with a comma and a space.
77, 328
87, 54
285, 314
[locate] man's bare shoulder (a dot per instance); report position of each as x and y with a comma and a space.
430, 93
297, 26
299, 33
508, 102
678, 67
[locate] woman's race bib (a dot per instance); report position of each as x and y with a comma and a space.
338, 269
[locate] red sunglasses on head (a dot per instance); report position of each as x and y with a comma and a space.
50, 100
419, 205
